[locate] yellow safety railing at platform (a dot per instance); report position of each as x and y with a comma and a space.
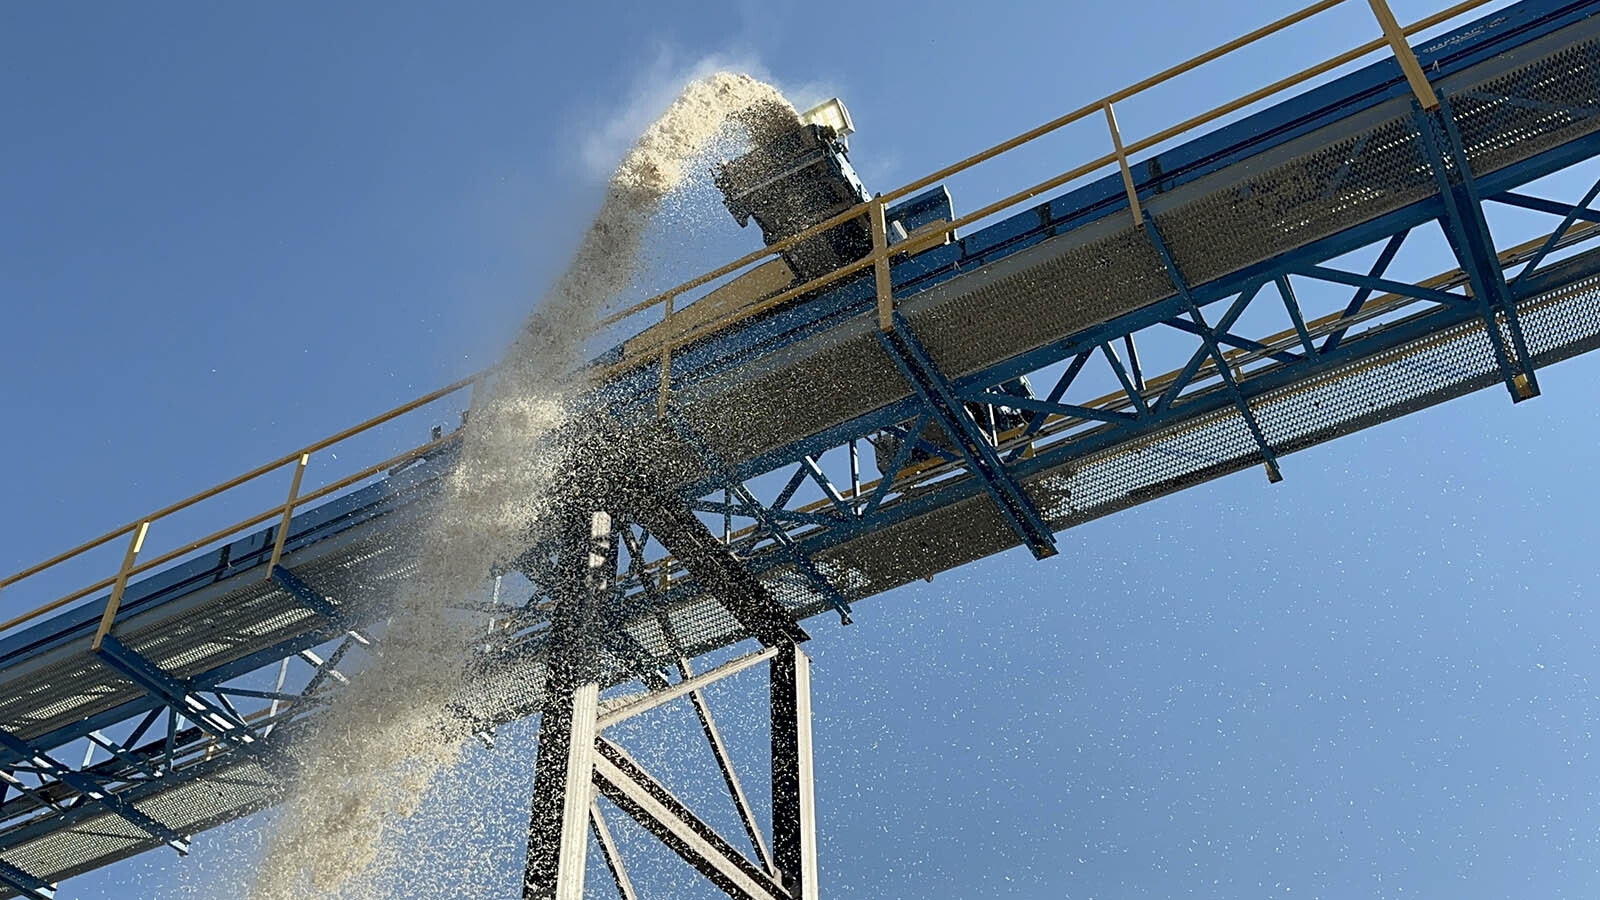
1394, 39
139, 529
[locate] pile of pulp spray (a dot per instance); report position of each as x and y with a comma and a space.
372, 756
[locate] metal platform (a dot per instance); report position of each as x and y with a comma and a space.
766, 409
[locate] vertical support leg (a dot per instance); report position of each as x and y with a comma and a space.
558, 832
794, 807
563, 784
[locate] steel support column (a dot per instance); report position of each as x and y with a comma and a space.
794, 806
609, 852
563, 793
647, 801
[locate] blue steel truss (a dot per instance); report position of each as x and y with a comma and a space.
942, 404
802, 509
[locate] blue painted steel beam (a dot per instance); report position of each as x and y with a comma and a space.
133, 794
886, 480
122, 753
1223, 336
1224, 371
1364, 293
1540, 204
828, 488
765, 520
92, 788
1368, 346
26, 884
788, 492
1197, 359
1128, 387
1388, 285
941, 401
798, 557
308, 597
1473, 246
178, 695
1033, 404
1555, 237
1286, 291
1068, 376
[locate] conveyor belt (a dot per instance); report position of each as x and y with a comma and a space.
1313, 172
1427, 371
1350, 156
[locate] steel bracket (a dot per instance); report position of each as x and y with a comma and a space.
941, 399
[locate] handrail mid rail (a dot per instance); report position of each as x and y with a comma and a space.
140, 527
1394, 37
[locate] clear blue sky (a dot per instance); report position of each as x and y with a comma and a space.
228, 230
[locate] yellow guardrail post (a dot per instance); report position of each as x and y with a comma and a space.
880, 264
666, 355
288, 513
121, 584
1396, 36
1122, 160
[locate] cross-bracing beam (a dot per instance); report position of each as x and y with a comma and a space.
713, 566
575, 761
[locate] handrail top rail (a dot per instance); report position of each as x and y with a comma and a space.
1105, 104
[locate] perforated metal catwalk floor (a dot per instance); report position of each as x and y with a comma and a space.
1314, 172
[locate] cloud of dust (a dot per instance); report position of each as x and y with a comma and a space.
370, 758
655, 88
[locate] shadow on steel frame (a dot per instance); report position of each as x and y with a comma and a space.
1394, 39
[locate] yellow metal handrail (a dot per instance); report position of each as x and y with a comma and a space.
139, 529
1394, 37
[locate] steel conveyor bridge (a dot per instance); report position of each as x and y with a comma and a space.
855, 433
